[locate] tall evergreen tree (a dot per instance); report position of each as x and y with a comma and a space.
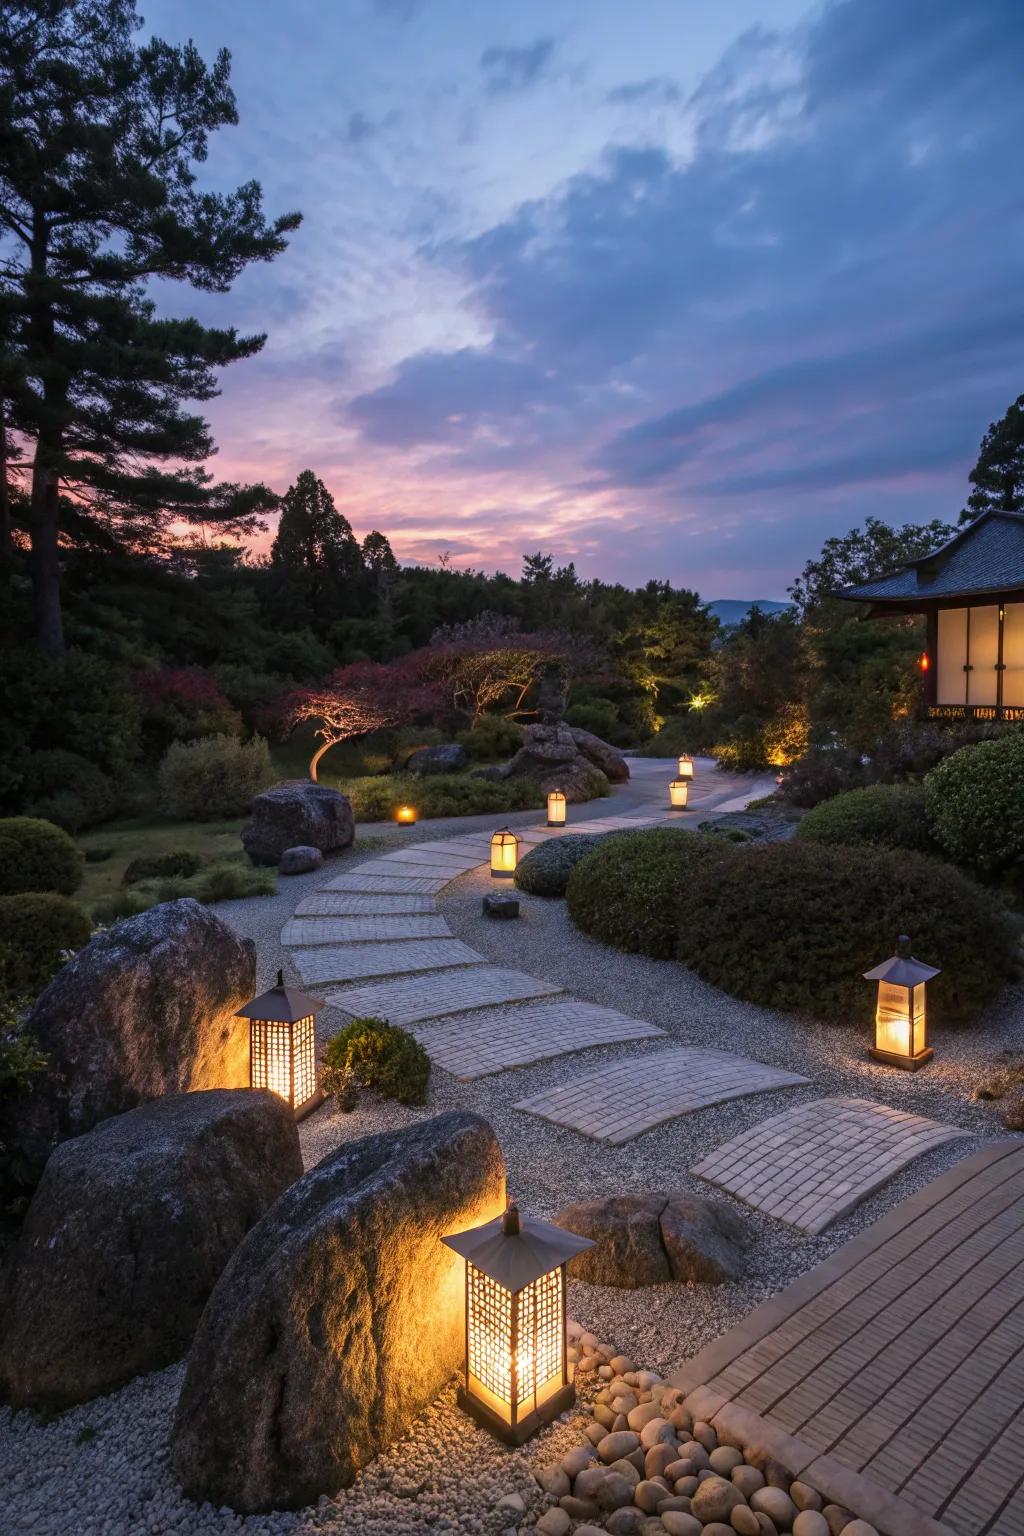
998, 476
98, 143
316, 550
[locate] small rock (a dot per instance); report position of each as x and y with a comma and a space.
705, 1436
744, 1521
724, 1459
837, 1518
596, 1433
805, 1497
553, 1480
628, 1469
747, 1479
643, 1414
810, 1523
614, 1491
554, 1522
776, 1504
678, 1523
605, 1415
573, 1462
580, 1509
765, 1526
674, 1501
859, 1528
299, 861
500, 904
611, 1447
589, 1481
626, 1521
589, 1530
686, 1486
657, 1432
715, 1499
681, 1467
511, 1501
621, 1365
692, 1450
718, 1528
648, 1495
658, 1460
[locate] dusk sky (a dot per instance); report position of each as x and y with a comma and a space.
671, 288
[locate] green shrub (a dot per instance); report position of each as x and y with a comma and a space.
795, 925
21, 1059
443, 794
160, 865
233, 882
600, 717
37, 856
381, 1056
492, 737
889, 815
212, 778
69, 790
975, 804
630, 890
546, 869
123, 904
36, 928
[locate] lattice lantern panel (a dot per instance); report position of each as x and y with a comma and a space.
515, 1342
283, 1058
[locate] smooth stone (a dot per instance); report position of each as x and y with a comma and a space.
580, 1509
715, 1499
717, 1528
681, 1467
553, 1480
658, 1460
628, 1468
626, 1521
674, 1501
776, 1504
589, 1481
596, 1433
859, 1528
301, 860
747, 1479
705, 1435
724, 1459
513, 1501
744, 1521
681, 1419
657, 1432
805, 1497
837, 1518
686, 1485
622, 1365
620, 1422
809, 1522
614, 1491
643, 1414
573, 1462
678, 1523
767, 1527
611, 1447
692, 1450
553, 1522
604, 1415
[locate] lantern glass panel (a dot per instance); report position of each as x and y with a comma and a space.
504, 854
405, 815
678, 792
892, 1019
515, 1343
686, 767
283, 1058
556, 809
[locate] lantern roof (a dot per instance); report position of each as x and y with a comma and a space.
504, 832
901, 969
281, 1004
516, 1251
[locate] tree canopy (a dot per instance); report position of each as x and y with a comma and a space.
998, 476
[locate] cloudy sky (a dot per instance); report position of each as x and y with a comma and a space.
672, 288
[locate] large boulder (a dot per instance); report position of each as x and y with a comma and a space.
298, 813
448, 758
652, 1239
338, 1319
145, 1009
544, 747
579, 781
604, 756
127, 1234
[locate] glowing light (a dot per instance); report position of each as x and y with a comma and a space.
900, 1011
556, 809
282, 1045
406, 816
678, 794
685, 766
504, 854
701, 700
923, 661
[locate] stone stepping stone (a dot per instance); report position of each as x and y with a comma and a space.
395, 885
813, 1164
622, 1100
408, 1001
434, 858
368, 926
349, 904
495, 1038
408, 871
353, 962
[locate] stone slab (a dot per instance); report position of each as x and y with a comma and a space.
353, 904
494, 1039
440, 993
404, 870
434, 858
363, 928
621, 1101
815, 1162
352, 962
395, 885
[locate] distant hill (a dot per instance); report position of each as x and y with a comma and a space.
733, 610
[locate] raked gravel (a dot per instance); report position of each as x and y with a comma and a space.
99, 1470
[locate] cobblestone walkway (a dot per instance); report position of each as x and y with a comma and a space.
496, 1038
892, 1375
618, 1102
814, 1163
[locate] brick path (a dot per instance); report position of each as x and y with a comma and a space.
497, 1038
618, 1102
892, 1375
351, 962
409, 1000
356, 926
814, 1163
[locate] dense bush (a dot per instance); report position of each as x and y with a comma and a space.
889, 815
545, 870
820, 773
751, 743
630, 890
182, 704
795, 925
35, 929
443, 794
68, 790
231, 882
212, 778
162, 865
599, 716
37, 856
492, 737
975, 803
378, 1055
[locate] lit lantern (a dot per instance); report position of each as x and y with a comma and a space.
678, 792
686, 766
900, 1011
516, 1368
504, 854
282, 1045
556, 809
406, 815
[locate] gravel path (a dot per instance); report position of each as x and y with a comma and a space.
99, 1470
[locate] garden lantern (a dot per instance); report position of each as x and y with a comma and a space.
504, 854
678, 792
556, 809
686, 766
406, 815
900, 1012
282, 1045
516, 1367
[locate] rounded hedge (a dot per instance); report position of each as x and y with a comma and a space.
35, 929
975, 803
631, 890
885, 815
795, 925
69, 790
384, 1057
546, 869
37, 856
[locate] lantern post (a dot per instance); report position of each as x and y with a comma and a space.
504, 854
678, 793
685, 766
406, 815
517, 1374
282, 1045
556, 808
900, 1011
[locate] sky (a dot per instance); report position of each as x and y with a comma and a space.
674, 289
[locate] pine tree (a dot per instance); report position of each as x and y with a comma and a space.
98, 143
316, 550
998, 476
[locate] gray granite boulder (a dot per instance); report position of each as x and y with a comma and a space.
298, 813
448, 758
128, 1231
146, 1008
652, 1239
579, 781
604, 756
338, 1319
300, 861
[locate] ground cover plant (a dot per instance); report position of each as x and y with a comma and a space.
371, 1053
35, 855
442, 794
632, 890
211, 850
794, 926
545, 870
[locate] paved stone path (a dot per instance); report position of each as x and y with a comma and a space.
388, 885
620, 1101
814, 1163
351, 962
493, 1039
352, 904
439, 993
350, 929
892, 1375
